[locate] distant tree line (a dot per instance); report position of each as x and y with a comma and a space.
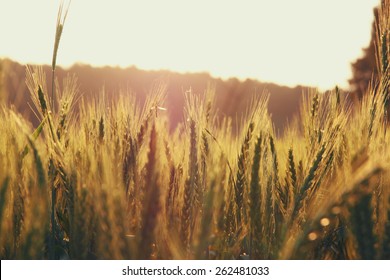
365, 69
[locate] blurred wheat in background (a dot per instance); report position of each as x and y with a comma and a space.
107, 179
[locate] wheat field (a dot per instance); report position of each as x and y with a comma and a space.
106, 179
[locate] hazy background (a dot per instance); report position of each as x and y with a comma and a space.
308, 42
243, 48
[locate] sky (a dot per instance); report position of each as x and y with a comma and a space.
307, 42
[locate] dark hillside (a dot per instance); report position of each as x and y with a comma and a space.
232, 95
